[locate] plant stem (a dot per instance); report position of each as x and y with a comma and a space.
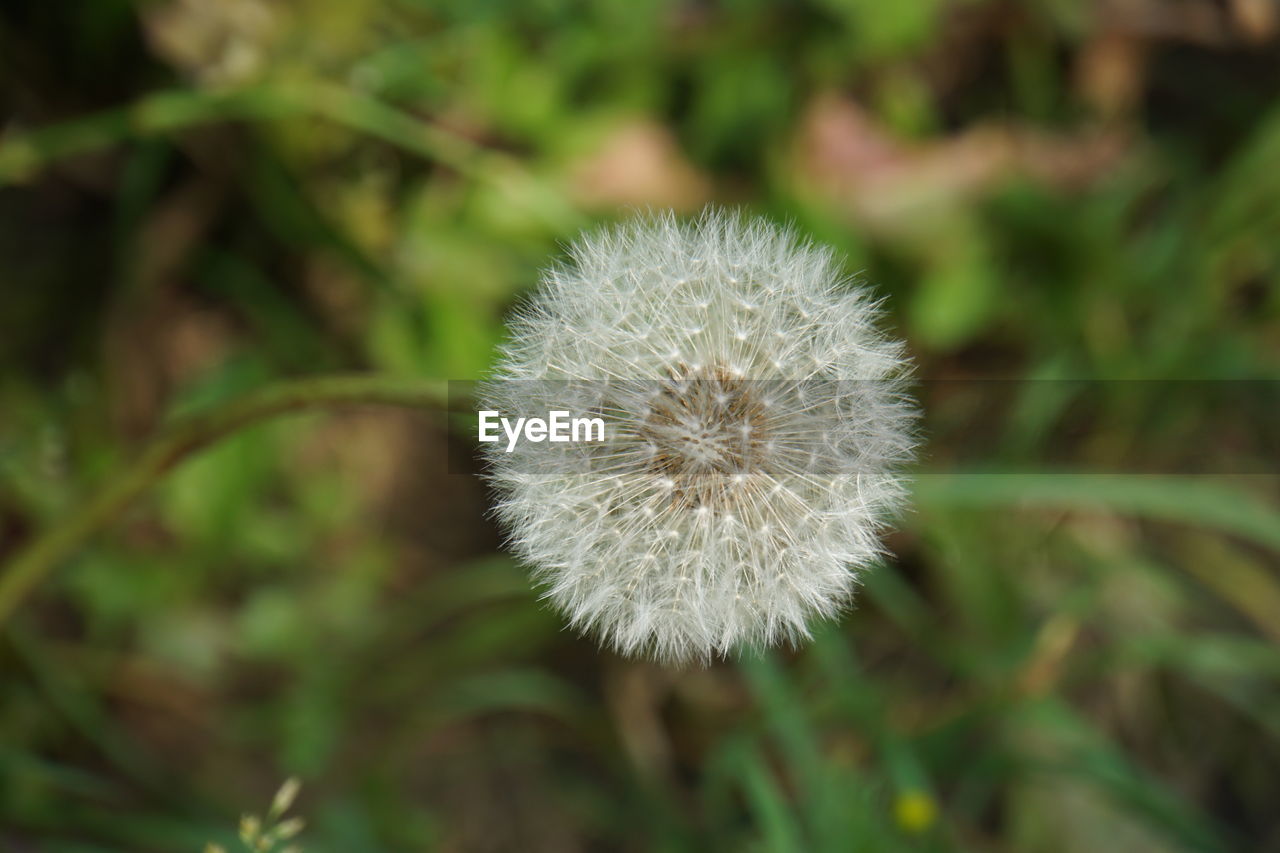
186, 437
170, 111
24, 154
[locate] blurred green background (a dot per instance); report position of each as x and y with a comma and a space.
200, 197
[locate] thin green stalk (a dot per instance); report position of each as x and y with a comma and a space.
166, 112
186, 437
26, 153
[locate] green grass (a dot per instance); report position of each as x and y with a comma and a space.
1073, 646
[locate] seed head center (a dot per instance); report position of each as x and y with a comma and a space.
707, 433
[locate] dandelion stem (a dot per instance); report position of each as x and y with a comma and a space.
185, 438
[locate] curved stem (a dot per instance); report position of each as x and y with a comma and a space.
24, 154
186, 437
170, 111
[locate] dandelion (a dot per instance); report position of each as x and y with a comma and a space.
756, 425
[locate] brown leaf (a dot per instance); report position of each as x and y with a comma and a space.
844, 155
639, 165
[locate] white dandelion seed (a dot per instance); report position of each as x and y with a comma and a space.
756, 426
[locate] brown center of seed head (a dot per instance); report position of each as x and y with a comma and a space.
706, 432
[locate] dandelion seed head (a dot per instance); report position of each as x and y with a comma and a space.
756, 427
